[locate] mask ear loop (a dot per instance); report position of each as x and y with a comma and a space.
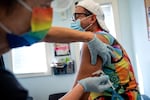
89, 25
5, 28
25, 5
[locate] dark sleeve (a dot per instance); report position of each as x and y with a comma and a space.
10, 88
2, 66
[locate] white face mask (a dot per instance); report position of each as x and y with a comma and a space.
76, 25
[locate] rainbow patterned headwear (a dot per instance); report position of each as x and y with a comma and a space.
41, 23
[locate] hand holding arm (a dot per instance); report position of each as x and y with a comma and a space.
95, 84
98, 48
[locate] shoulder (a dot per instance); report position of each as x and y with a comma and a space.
107, 37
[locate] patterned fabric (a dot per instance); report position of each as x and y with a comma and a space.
41, 23
120, 72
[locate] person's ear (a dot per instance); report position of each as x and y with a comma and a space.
93, 18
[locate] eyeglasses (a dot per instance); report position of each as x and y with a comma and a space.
78, 15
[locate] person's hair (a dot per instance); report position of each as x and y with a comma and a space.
7, 5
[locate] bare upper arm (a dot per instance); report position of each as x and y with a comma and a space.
86, 68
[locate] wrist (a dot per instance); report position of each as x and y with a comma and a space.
80, 87
90, 36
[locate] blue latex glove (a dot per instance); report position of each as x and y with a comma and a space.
95, 84
98, 48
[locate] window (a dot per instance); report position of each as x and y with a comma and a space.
113, 13
109, 18
30, 61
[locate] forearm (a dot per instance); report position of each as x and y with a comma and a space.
74, 94
66, 35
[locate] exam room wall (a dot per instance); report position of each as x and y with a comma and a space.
140, 42
133, 38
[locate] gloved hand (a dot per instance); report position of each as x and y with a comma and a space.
98, 48
95, 84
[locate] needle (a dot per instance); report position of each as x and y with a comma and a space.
99, 72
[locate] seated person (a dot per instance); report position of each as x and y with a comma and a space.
90, 17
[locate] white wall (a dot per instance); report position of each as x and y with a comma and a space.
135, 40
41, 87
140, 40
126, 30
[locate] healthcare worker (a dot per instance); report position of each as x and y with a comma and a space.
25, 22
